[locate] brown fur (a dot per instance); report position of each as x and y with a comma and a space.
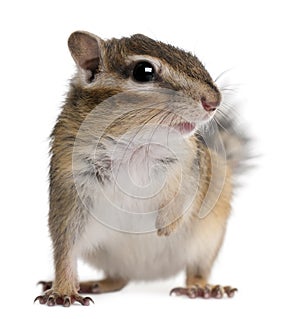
67, 216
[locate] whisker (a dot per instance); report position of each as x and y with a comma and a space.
219, 123
224, 89
171, 125
155, 129
222, 74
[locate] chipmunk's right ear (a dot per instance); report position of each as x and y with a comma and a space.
85, 49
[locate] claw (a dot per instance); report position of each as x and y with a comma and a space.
51, 298
178, 291
84, 301
206, 292
230, 291
51, 301
217, 292
66, 301
192, 293
41, 300
87, 301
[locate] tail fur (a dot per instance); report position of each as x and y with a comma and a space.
236, 140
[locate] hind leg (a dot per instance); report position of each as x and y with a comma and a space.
209, 236
102, 286
94, 287
198, 272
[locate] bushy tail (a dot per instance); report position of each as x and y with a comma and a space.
237, 143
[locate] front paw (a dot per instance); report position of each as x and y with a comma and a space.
52, 298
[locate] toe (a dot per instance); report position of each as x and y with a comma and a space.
230, 292
178, 291
51, 301
41, 299
217, 292
206, 292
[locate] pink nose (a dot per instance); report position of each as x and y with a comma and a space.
209, 106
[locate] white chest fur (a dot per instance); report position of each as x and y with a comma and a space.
120, 236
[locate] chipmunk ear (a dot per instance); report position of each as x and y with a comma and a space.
86, 52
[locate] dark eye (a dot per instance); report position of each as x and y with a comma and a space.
143, 72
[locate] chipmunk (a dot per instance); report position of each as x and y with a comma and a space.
140, 184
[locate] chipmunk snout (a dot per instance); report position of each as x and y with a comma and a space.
209, 106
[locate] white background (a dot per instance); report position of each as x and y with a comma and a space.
260, 41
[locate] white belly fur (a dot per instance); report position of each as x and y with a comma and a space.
134, 256
149, 256
143, 256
